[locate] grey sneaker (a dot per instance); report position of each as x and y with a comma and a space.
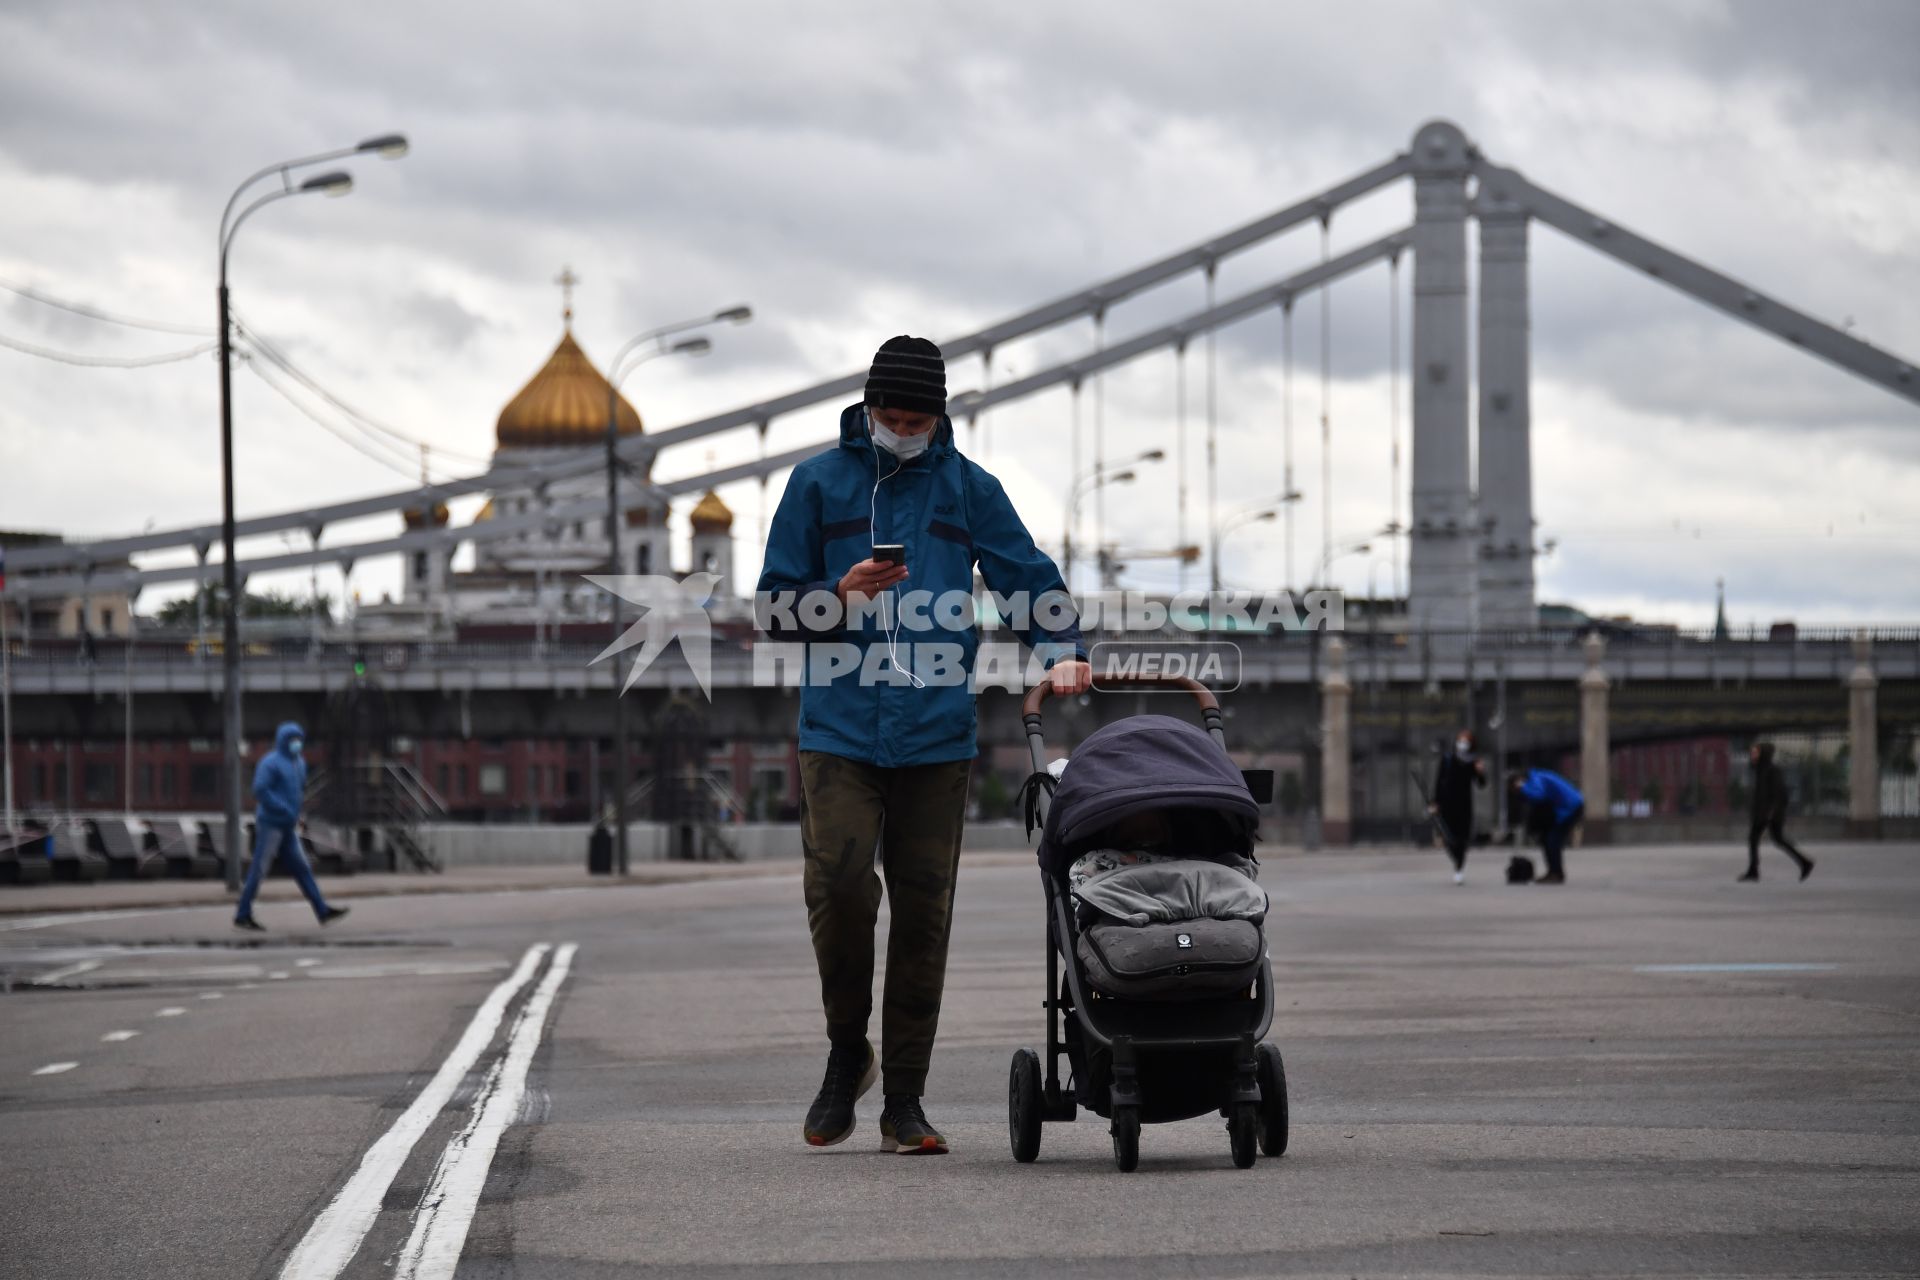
904, 1129
850, 1073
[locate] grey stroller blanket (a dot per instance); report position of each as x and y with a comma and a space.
1165, 891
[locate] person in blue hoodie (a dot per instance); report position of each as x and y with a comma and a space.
279, 789
887, 723
1554, 807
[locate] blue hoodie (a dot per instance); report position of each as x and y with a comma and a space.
951, 515
1543, 786
280, 781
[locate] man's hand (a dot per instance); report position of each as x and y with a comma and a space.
870, 578
1071, 676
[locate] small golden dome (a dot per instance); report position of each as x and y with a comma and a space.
565, 404
711, 515
435, 515
484, 513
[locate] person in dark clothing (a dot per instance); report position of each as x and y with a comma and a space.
885, 758
1769, 812
1554, 807
1453, 782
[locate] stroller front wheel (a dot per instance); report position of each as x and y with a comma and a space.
1243, 1128
1273, 1101
1024, 1105
1126, 1138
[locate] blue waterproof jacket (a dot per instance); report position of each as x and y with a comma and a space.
950, 515
280, 781
1545, 787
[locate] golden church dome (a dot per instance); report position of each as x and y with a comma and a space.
565, 404
420, 518
710, 515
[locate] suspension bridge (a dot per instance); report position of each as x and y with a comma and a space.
1470, 536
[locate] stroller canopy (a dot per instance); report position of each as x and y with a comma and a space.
1137, 764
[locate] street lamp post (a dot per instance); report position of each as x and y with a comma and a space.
617, 371
1098, 478
1220, 531
390, 146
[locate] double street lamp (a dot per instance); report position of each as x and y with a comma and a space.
390, 146
1098, 478
634, 353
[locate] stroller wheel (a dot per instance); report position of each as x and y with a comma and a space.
1126, 1138
1273, 1101
1243, 1127
1023, 1105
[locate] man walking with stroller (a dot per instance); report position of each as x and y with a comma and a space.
1769, 812
1554, 807
279, 789
885, 759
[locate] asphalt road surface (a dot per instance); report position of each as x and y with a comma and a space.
1651, 1070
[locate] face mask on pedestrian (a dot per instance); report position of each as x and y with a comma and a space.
1462, 747
294, 747
905, 448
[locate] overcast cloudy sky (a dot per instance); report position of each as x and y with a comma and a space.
855, 171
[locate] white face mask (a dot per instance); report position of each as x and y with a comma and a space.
905, 448
295, 746
1462, 747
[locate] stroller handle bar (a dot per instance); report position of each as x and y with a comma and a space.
1209, 705
1037, 696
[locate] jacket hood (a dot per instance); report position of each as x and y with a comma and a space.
853, 433
287, 733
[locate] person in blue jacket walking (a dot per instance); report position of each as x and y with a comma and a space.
1554, 807
279, 789
887, 723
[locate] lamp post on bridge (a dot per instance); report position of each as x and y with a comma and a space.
1244, 518
389, 146
1098, 478
629, 357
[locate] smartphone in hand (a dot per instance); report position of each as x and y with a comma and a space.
890, 553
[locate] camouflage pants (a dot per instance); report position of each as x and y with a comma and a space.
912, 818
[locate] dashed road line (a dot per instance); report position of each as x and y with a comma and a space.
55, 1068
439, 1235
335, 1236
171, 1011
115, 1037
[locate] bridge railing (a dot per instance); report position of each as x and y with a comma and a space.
1810, 653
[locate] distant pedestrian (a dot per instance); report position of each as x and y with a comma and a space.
1458, 773
279, 789
1768, 812
1554, 807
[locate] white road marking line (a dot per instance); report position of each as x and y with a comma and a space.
1734, 968
336, 1233
446, 1210
306, 963
69, 971
55, 1068
114, 1037
279, 975
71, 917
209, 995
171, 1011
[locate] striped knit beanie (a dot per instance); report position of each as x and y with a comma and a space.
908, 373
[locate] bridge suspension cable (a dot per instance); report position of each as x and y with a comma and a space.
1176, 334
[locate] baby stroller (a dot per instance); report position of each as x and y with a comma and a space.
1163, 1018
